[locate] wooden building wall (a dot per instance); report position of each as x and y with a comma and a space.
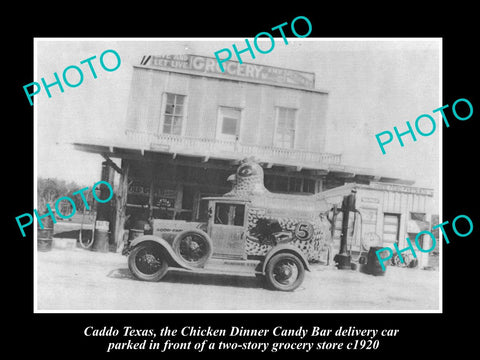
205, 95
388, 214
373, 204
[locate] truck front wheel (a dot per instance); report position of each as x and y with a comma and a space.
284, 272
147, 262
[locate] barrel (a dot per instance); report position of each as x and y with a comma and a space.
45, 235
44, 239
101, 237
373, 263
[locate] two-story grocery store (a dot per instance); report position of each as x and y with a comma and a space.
189, 125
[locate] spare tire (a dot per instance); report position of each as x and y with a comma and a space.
193, 247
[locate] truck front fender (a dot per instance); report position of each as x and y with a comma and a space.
172, 258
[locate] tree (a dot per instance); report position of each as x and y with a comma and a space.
49, 190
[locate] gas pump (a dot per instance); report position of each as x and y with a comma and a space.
343, 259
368, 264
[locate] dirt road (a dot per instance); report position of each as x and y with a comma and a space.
77, 279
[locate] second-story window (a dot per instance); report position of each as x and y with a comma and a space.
173, 114
228, 127
285, 128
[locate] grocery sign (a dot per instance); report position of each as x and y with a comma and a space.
208, 65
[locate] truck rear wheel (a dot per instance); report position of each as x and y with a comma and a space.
147, 262
284, 272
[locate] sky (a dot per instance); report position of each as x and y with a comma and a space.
373, 85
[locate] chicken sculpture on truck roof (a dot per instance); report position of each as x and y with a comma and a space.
280, 218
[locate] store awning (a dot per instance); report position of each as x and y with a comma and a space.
325, 164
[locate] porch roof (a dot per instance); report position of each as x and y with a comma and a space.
227, 159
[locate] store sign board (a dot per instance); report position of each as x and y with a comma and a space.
400, 188
137, 188
165, 203
208, 65
370, 200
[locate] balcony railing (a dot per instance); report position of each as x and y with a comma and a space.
230, 149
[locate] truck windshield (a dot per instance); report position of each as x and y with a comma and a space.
229, 214
202, 215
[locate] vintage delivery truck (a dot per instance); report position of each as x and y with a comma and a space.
248, 231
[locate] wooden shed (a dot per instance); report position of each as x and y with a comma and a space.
387, 214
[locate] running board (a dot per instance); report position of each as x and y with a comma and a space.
227, 267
